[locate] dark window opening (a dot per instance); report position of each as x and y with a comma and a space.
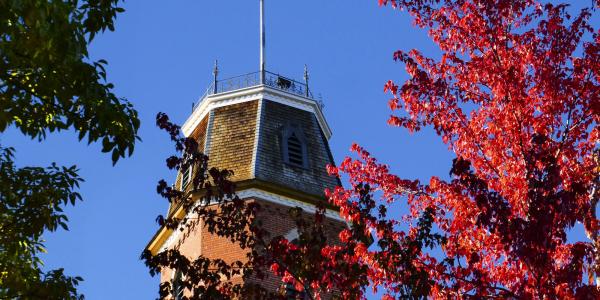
295, 150
186, 174
292, 294
177, 287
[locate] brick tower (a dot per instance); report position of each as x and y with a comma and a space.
272, 133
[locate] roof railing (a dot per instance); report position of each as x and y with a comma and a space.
272, 80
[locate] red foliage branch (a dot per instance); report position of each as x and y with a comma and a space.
515, 95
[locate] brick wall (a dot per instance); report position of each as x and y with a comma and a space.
198, 241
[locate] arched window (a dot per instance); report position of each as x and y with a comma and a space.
295, 152
177, 287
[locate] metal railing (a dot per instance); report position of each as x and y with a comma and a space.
253, 79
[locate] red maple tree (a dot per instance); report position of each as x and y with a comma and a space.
516, 97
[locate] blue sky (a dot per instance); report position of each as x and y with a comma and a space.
161, 58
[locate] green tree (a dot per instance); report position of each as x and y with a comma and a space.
48, 83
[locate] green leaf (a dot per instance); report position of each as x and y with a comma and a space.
115, 156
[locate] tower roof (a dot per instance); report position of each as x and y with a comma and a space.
248, 87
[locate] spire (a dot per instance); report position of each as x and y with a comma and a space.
262, 41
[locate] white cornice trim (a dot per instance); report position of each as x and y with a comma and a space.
250, 94
260, 195
286, 201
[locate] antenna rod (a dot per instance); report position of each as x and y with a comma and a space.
262, 41
215, 74
306, 80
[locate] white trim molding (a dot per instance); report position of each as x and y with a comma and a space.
258, 194
286, 201
250, 94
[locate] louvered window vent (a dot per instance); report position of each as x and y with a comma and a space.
294, 147
186, 175
295, 150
